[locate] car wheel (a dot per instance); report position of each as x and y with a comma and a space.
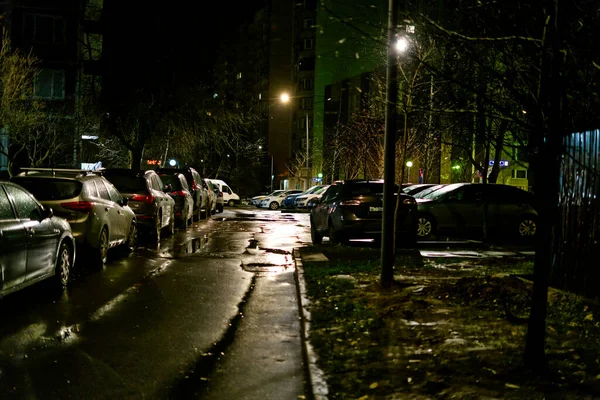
231, 203
171, 226
131, 238
64, 261
274, 205
335, 237
102, 251
425, 226
315, 236
527, 227
157, 227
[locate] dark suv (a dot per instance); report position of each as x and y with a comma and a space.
153, 208
195, 183
353, 209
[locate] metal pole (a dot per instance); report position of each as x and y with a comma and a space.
272, 177
389, 173
307, 167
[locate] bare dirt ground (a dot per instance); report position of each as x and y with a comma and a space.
451, 328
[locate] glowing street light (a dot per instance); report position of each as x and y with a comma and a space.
401, 45
409, 164
285, 98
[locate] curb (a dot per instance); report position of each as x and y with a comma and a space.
316, 377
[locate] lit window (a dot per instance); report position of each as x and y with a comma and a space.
410, 29
49, 84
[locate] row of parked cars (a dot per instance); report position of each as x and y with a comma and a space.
353, 209
48, 215
292, 198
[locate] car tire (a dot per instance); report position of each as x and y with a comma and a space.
274, 205
527, 227
157, 227
171, 227
131, 238
102, 251
335, 237
231, 203
64, 264
425, 226
315, 236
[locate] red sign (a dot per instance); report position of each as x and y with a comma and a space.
153, 162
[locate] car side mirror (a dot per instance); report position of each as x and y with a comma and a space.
167, 188
46, 212
124, 201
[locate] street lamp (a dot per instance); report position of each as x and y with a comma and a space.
401, 45
408, 164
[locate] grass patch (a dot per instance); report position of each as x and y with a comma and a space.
455, 329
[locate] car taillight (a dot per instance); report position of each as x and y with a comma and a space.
144, 198
350, 203
194, 185
178, 193
409, 200
79, 206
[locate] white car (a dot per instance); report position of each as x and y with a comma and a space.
255, 201
230, 198
273, 201
304, 200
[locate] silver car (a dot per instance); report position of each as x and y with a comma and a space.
35, 244
99, 216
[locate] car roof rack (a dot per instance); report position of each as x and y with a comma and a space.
56, 171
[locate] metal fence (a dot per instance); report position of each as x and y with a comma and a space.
576, 266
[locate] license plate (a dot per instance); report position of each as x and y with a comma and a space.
375, 209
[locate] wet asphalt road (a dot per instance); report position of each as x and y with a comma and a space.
147, 323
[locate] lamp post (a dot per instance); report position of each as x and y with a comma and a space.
408, 164
285, 98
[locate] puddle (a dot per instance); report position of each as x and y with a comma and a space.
194, 245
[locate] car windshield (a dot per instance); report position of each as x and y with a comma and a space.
276, 193
426, 192
441, 191
128, 184
171, 180
51, 189
321, 190
312, 189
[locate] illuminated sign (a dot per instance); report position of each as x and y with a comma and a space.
503, 163
153, 162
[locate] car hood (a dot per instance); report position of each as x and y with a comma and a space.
423, 201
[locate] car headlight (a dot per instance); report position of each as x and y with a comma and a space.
409, 200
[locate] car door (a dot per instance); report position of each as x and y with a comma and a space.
156, 188
320, 212
13, 245
463, 208
42, 235
123, 218
108, 207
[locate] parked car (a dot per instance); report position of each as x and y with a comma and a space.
425, 192
154, 209
273, 201
220, 199
196, 189
417, 188
255, 201
229, 197
306, 200
290, 199
353, 209
212, 197
181, 194
35, 244
460, 207
99, 216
